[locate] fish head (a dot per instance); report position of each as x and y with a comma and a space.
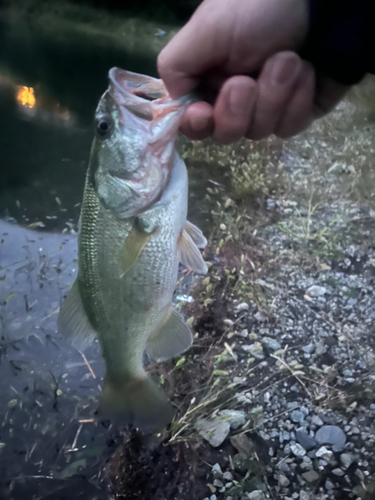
132, 155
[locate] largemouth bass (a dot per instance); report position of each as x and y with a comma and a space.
133, 234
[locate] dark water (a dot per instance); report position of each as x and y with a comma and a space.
44, 150
48, 391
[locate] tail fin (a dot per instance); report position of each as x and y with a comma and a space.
137, 401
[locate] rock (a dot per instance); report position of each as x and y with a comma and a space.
297, 450
235, 418
306, 464
284, 467
308, 349
316, 291
216, 471
317, 421
218, 484
310, 476
213, 497
284, 481
214, 430
297, 416
328, 485
338, 472
228, 476
242, 444
324, 453
272, 344
333, 435
346, 459
259, 317
243, 306
256, 495
303, 495
305, 440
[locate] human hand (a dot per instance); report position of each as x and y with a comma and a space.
241, 53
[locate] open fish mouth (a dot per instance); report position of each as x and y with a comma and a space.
140, 86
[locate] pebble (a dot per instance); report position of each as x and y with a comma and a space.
328, 485
310, 476
305, 440
235, 418
309, 348
303, 495
324, 453
346, 460
243, 306
297, 416
284, 481
316, 291
315, 420
228, 476
213, 497
256, 495
214, 430
216, 470
218, 484
333, 435
338, 472
272, 344
297, 450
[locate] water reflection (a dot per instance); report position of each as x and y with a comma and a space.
33, 104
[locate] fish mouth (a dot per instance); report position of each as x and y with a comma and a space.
141, 87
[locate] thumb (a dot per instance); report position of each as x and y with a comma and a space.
194, 50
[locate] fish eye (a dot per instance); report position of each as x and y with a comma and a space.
104, 125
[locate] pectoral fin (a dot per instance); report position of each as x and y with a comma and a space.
189, 253
173, 338
73, 323
195, 234
133, 247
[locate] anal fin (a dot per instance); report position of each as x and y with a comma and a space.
73, 323
172, 339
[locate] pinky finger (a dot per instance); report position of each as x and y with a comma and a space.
299, 112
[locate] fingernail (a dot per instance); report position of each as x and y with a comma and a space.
239, 99
284, 70
198, 123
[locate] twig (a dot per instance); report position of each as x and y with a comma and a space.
74, 444
88, 366
86, 421
183, 277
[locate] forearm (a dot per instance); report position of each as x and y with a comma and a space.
341, 39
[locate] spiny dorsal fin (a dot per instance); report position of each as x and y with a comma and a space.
134, 245
189, 254
172, 339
